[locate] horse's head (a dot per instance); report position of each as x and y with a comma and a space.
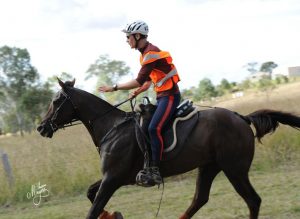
61, 111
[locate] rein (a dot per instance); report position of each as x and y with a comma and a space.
116, 106
55, 127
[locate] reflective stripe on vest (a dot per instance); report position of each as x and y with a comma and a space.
150, 56
162, 81
153, 56
169, 75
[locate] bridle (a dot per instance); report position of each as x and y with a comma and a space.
51, 122
55, 127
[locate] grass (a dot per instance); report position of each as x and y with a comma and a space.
65, 164
69, 163
279, 191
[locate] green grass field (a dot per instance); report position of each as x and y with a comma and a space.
69, 163
279, 190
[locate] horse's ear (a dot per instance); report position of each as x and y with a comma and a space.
62, 84
73, 82
70, 83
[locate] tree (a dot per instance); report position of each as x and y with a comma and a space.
52, 81
265, 84
17, 73
189, 93
33, 103
225, 85
109, 72
251, 67
106, 70
281, 79
268, 67
219, 90
206, 90
245, 84
18, 78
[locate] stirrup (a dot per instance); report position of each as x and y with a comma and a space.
148, 177
143, 178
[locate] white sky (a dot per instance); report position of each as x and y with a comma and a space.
207, 38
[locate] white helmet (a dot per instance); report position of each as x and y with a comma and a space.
136, 27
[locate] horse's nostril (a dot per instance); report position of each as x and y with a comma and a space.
41, 128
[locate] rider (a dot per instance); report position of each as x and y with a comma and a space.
157, 67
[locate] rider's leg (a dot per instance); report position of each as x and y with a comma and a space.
166, 107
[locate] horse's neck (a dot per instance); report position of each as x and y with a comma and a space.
98, 116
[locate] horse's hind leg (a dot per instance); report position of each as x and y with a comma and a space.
205, 178
242, 185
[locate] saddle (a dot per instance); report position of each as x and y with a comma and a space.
175, 133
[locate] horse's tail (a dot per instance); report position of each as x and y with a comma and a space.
266, 121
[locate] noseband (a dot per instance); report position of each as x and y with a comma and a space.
51, 122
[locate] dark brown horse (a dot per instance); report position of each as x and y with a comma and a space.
220, 141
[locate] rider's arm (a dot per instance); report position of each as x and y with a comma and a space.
123, 86
128, 85
142, 77
141, 89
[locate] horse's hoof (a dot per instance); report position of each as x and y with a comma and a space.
103, 215
184, 216
106, 215
118, 215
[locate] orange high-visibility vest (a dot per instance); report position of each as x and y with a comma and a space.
161, 80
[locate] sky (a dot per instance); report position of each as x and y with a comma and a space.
212, 39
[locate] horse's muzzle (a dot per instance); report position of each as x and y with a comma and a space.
45, 130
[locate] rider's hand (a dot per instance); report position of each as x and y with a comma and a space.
134, 93
106, 88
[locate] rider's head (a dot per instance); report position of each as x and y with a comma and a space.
136, 32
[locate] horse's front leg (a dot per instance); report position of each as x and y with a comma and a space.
92, 190
107, 187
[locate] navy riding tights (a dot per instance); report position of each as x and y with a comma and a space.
166, 107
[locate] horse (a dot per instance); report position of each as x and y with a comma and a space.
221, 140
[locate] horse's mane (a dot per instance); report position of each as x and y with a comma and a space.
96, 99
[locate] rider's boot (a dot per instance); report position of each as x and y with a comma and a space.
149, 176
155, 175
